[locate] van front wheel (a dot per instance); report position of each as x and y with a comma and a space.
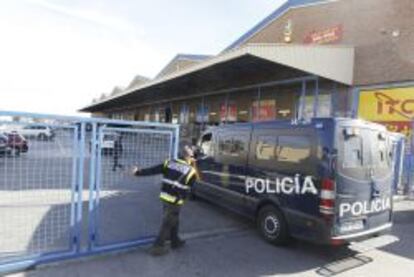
272, 225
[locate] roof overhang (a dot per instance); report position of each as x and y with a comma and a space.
333, 62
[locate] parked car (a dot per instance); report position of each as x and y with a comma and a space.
38, 131
17, 143
328, 181
4, 148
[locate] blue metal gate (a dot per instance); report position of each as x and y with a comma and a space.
66, 189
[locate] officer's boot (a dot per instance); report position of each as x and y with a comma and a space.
158, 250
177, 243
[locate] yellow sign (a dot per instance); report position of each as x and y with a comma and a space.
394, 104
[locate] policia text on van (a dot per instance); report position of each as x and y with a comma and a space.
350, 162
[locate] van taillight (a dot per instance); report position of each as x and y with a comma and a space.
327, 198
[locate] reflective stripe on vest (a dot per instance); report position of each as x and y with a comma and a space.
175, 184
190, 175
170, 199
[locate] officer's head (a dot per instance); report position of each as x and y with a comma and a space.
187, 152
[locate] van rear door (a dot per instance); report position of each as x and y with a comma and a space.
363, 180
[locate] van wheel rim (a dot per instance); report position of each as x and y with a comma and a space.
271, 225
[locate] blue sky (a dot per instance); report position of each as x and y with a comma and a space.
56, 55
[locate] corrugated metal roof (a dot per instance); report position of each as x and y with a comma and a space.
334, 62
288, 5
137, 81
181, 57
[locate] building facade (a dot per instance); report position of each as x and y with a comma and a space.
308, 58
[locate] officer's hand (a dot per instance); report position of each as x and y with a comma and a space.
135, 170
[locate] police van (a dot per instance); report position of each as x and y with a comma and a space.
327, 181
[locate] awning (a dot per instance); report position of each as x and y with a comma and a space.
333, 62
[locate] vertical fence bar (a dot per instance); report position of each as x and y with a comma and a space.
98, 168
80, 186
73, 224
92, 187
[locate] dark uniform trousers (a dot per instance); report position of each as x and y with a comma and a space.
169, 225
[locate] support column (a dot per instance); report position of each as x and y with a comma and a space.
316, 99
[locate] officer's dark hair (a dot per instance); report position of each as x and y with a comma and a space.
183, 153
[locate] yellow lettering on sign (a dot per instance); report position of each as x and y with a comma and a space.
394, 104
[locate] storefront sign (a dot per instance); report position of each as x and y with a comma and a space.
392, 107
395, 104
329, 35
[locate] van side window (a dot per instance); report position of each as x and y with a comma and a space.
266, 148
293, 149
352, 152
231, 145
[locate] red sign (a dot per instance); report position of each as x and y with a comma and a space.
231, 112
326, 36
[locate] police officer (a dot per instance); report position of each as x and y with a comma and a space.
178, 177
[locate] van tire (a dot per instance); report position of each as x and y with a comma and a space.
272, 225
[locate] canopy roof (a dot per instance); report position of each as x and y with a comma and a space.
333, 62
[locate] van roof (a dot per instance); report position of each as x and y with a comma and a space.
290, 123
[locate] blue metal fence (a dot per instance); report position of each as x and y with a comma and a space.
71, 194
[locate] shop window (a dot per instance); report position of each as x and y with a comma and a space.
214, 105
202, 114
184, 114
324, 101
243, 101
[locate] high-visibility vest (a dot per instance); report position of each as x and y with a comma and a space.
176, 183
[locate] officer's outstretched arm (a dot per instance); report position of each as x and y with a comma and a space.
154, 170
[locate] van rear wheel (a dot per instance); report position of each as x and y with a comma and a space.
272, 225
